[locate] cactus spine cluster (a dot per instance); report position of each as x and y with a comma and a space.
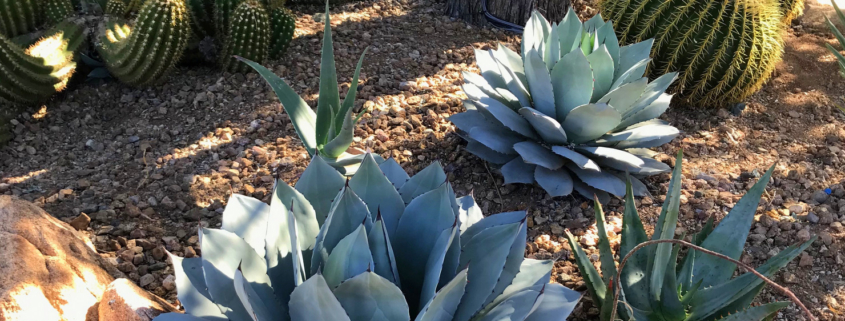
140, 56
248, 36
791, 9
18, 17
33, 75
724, 49
116, 8
57, 10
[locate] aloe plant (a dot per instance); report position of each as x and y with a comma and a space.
655, 287
839, 37
329, 131
378, 246
573, 112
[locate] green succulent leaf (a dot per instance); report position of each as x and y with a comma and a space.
633, 276
394, 173
665, 230
608, 266
384, 261
349, 258
758, 313
369, 297
314, 301
426, 180
349, 100
595, 285
572, 85
329, 99
340, 143
318, 178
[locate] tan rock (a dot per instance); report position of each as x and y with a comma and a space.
125, 301
48, 271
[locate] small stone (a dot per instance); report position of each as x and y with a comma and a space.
80, 223
803, 235
796, 208
820, 196
806, 260
146, 280
790, 278
159, 252
189, 252
169, 283
557, 229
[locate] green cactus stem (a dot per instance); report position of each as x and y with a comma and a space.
202, 18
248, 36
116, 8
33, 75
143, 55
791, 9
57, 10
223, 10
18, 17
282, 26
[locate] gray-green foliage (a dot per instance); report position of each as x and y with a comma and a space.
379, 246
839, 37
573, 112
655, 287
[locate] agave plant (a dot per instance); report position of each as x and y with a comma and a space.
573, 112
839, 37
654, 287
378, 246
329, 131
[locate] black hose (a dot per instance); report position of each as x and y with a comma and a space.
499, 22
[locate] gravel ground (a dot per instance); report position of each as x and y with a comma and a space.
148, 166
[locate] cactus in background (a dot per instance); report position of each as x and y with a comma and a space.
18, 17
33, 75
223, 10
717, 65
791, 9
57, 10
115, 8
133, 5
202, 18
282, 25
248, 36
143, 55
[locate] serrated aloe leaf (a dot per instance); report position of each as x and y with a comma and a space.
588, 122
340, 143
518, 171
488, 154
507, 117
632, 54
757, 313
552, 47
444, 304
599, 180
533, 153
531, 272
489, 68
613, 158
314, 301
607, 36
601, 62
469, 212
608, 266
191, 289
394, 173
572, 84
329, 97
665, 230
320, 183
250, 299
588, 191
595, 286
516, 307
651, 111
633, 276
349, 100
347, 214
378, 193
325, 123
547, 127
488, 249
670, 306
569, 32
555, 182
651, 135
539, 82
687, 263
624, 97
302, 117
369, 297
434, 265
577, 158
416, 235
349, 258
729, 237
633, 74
247, 218
175, 316
558, 302
384, 261
426, 180
287, 205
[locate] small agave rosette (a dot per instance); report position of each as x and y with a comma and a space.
573, 112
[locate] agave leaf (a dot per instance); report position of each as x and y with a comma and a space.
835, 30
378, 193
489, 248
594, 23
453, 252
444, 304
569, 32
319, 184
349, 258
491, 221
758, 313
175, 316
329, 98
599, 180
515, 83
558, 301
394, 173
572, 84
340, 143
512, 60
434, 265
623, 98
488, 154
595, 286
632, 54
513, 264
533, 153
369, 297
307, 225
539, 82
531, 273
631, 75
347, 214
607, 36
247, 218
651, 166
304, 119
588, 191
507, 117
587, 41
191, 289
297, 261
517, 306
468, 212
475, 87
325, 125
729, 237
416, 235
601, 62
588, 122
517, 171
534, 33
608, 266
650, 135
551, 54
613, 158
665, 230
652, 92
549, 129
555, 182
839, 58
314, 301
638, 187
384, 261
250, 299
284, 256
577, 158
652, 111
489, 68
426, 180
495, 140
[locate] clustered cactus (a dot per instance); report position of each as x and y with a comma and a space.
724, 50
378, 246
655, 287
573, 112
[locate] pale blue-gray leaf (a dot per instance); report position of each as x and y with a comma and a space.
572, 84
191, 289
250, 299
632, 54
490, 221
601, 62
555, 182
533, 153
223, 252
347, 214
577, 158
426, 180
531, 272
539, 82
384, 261
512, 60
469, 212
320, 183
552, 47
600, 180
558, 302
314, 301
623, 98
588, 122
513, 263
487, 250
589, 192
652, 135
613, 158
631, 75
594, 23
489, 68
369, 297
496, 140
516, 307
536, 29
349, 258
517, 171
378, 193
434, 265
508, 117
515, 85
395, 173
444, 304
247, 218
607, 36
569, 32
475, 87
487, 154
652, 92
549, 128
652, 111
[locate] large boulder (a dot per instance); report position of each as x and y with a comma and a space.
48, 270
125, 301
